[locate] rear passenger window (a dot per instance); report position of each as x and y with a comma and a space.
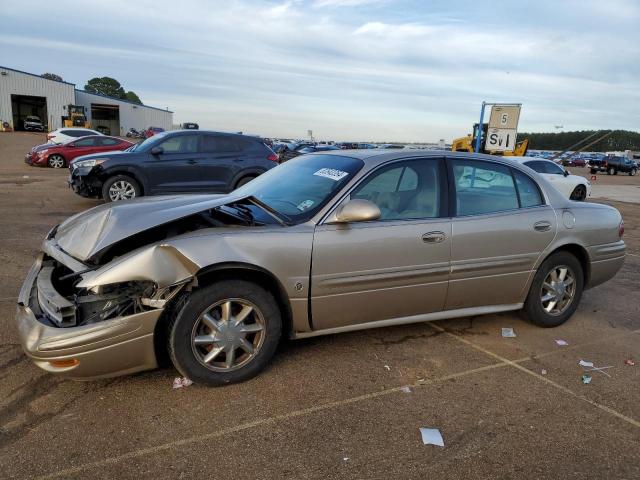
109, 141
222, 144
528, 190
483, 187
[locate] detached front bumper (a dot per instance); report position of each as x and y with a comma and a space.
106, 349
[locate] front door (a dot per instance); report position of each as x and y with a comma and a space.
392, 268
500, 228
177, 169
222, 160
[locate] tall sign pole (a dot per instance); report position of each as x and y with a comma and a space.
477, 147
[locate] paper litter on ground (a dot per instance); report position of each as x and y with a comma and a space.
584, 363
543, 371
561, 342
387, 367
405, 389
586, 378
508, 333
431, 436
180, 382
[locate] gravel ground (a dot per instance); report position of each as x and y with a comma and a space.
329, 407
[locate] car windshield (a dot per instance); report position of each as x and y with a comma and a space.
300, 187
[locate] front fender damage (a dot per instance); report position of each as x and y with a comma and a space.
162, 264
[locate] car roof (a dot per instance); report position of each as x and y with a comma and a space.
375, 156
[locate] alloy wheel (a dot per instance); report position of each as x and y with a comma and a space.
56, 161
558, 290
121, 190
228, 335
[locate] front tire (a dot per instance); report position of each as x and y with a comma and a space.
555, 291
120, 187
633, 172
611, 171
579, 193
56, 161
225, 333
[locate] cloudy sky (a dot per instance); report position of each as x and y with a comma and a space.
380, 70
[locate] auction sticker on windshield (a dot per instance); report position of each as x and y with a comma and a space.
331, 173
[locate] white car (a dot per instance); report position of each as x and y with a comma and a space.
574, 187
66, 134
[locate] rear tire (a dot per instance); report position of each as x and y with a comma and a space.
611, 171
244, 180
633, 172
120, 187
236, 351
539, 308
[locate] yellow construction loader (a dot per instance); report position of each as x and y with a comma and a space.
76, 117
468, 143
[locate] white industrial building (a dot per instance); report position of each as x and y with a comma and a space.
24, 94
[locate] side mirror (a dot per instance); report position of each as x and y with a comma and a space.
566, 173
157, 151
357, 210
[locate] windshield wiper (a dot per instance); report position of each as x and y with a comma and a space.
280, 217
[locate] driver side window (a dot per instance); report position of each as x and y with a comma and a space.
404, 190
181, 144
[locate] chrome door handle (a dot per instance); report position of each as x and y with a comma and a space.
433, 237
542, 226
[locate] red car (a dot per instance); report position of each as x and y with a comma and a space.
151, 131
59, 156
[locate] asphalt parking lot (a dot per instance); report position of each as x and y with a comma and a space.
334, 407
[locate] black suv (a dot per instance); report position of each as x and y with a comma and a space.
173, 162
612, 164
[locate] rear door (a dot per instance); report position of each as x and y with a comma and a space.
176, 169
500, 227
109, 144
393, 268
223, 158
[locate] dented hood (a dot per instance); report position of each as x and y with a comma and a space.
86, 233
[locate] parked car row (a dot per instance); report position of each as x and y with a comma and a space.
61, 154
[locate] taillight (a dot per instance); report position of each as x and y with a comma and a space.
621, 229
273, 157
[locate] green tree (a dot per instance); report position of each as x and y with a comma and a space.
132, 97
105, 86
52, 76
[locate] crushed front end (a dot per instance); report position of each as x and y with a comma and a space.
85, 333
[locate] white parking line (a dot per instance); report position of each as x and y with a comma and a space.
257, 423
512, 363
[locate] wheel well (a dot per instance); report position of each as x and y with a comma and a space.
254, 274
248, 175
126, 173
581, 254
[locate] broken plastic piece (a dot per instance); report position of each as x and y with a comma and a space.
586, 378
387, 367
583, 363
561, 342
405, 389
180, 382
431, 436
508, 333
630, 362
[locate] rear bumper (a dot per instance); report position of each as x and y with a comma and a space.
105, 349
606, 261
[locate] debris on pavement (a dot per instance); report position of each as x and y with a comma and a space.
601, 370
561, 342
584, 363
630, 362
586, 378
431, 436
508, 333
180, 382
25, 176
387, 367
543, 371
406, 389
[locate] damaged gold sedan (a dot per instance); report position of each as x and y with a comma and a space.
325, 243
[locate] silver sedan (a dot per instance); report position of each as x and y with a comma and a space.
326, 243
